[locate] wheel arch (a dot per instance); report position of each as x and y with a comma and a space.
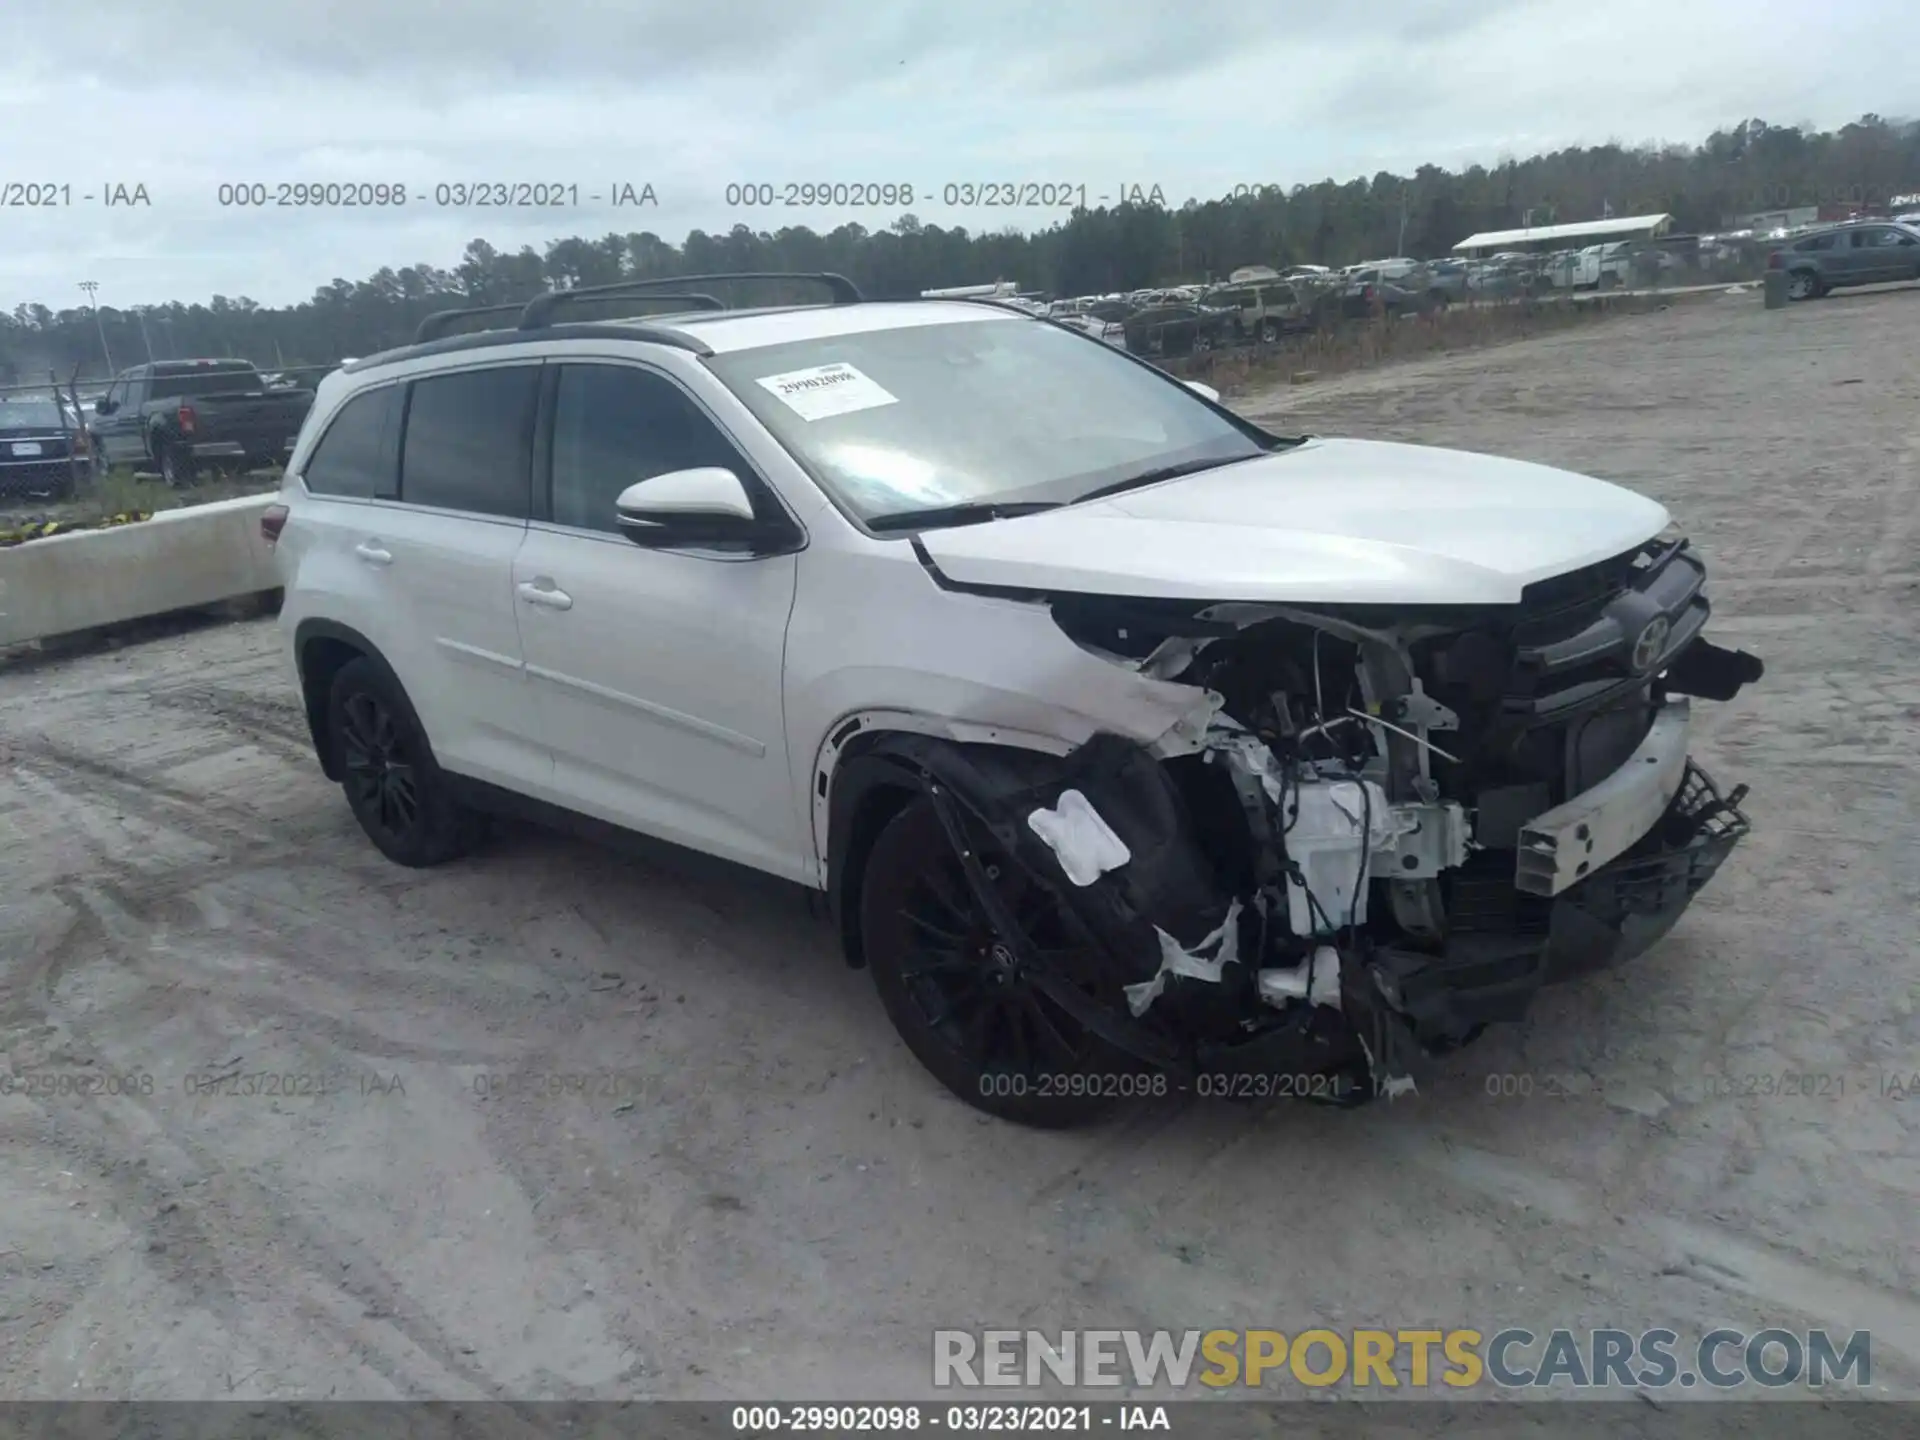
321, 649
871, 766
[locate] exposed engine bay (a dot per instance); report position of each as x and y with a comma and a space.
1382, 832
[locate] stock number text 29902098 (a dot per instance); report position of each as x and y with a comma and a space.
455, 194
958, 194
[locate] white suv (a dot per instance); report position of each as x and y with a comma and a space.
1135, 747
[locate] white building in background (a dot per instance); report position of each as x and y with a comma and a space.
1566, 237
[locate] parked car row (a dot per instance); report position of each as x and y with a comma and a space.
1187, 320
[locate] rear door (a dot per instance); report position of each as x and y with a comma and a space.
465, 485
1829, 255
658, 671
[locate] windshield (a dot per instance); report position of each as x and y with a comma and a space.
29, 415
203, 382
973, 412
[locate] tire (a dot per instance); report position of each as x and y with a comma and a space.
398, 794
177, 469
1439, 299
1608, 280
949, 987
1804, 285
1270, 332
1202, 343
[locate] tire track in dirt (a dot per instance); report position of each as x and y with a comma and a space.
204, 1222
280, 725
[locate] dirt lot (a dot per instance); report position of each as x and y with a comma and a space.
763, 1194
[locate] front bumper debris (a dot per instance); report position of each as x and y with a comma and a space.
1610, 916
1579, 838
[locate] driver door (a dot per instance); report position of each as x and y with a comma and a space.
657, 672
117, 434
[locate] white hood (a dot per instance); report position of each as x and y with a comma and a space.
1355, 522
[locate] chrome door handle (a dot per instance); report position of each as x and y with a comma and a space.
545, 594
373, 552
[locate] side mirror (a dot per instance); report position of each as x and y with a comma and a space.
703, 506
1205, 392
104, 406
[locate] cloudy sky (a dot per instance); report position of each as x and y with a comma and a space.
1195, 96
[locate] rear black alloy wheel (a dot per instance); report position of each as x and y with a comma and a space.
1202, 343
380, 772
176, 469
398, 794
959, 996
1270, 331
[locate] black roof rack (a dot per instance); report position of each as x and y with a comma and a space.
438, 323
537, 313
539, 310
653, 334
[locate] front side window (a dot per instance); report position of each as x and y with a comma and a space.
469, 441
984, 410
615, 425
355, 458
1818, 242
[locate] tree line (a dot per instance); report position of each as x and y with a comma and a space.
1751, 167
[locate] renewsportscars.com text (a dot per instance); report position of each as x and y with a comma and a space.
1512, 1358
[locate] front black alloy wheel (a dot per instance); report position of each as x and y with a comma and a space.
398, 794
959, 996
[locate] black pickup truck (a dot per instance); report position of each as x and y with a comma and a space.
178, 416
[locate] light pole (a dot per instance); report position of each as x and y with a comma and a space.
145, 339
92, 286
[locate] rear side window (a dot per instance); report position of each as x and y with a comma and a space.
469, 441
355, 457
615, 425
1818, 242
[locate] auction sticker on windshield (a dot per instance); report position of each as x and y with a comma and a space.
824, 390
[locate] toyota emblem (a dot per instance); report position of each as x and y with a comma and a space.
1652, 642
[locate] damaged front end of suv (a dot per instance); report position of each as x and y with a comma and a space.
1379, 830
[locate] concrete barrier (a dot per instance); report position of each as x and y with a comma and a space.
180, 559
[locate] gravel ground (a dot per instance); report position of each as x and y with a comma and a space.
759, 1192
